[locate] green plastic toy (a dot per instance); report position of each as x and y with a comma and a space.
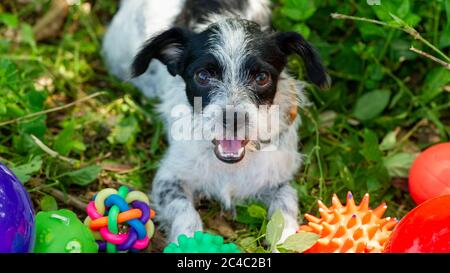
201, 243
62, 232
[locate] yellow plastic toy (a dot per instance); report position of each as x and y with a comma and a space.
351, 228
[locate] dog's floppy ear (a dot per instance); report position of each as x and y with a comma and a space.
294, 43
166, 47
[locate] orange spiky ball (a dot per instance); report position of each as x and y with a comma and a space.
351, 228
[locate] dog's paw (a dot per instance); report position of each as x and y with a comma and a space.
176, 232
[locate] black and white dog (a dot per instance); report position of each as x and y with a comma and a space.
221, 54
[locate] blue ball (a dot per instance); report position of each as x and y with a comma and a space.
16, 215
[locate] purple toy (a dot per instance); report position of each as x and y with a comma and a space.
16, 215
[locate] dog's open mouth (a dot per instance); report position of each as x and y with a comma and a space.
230, 151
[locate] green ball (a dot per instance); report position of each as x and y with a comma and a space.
201, 243
62, 232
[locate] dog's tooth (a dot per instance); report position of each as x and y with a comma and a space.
220, 149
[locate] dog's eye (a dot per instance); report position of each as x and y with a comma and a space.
203, 77
262, 79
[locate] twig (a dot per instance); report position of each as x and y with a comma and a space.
421, 123
43, 186
405, 28
431, 57
349, 17
67, 199
32, 115
50, 152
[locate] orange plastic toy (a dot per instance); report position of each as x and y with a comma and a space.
351, 228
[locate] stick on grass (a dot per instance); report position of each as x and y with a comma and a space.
67, 199
32, 115
431, 57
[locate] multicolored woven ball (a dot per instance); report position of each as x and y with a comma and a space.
120, 220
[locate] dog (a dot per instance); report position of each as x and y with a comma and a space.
198, 55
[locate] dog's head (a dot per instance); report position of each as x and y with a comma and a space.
232, 65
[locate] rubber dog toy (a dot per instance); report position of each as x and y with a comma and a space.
16, 215
62, 232
121, 220
351, 228
201, 243
425, 229
430, 173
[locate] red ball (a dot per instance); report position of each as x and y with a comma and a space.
425, 229
430, 173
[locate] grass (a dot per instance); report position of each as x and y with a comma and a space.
67, 128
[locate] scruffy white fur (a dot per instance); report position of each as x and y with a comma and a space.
191, 165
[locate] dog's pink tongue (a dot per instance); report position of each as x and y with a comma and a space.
231, 146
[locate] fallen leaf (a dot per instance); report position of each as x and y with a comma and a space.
274, 229
300, 242
398, 165
25, 171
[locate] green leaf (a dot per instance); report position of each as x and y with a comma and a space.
298, 10
348, 61
303, 29
249, 244
27, 36
398, 165
9, 19
371, 105
435, 82
126, 131
257, 211
244, 217
404, 8
35, 100
445, 37
25, 171
275, 229
392, 9
36, 126
84, 176
375, 72
300, 242
373, 184
48, 203
2, 107
412, 20
447, 10
369, 31
389, 141
64, 140
397, 20
370, 148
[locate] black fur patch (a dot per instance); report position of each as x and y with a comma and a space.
169, 191
294, 43
194, 11
155, 48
